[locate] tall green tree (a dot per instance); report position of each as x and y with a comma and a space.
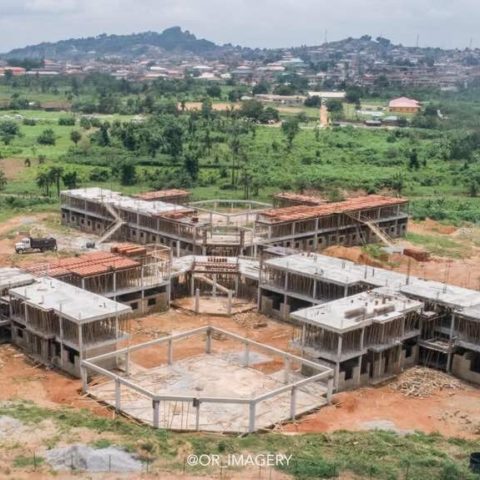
55, 174
75, 136
290, 129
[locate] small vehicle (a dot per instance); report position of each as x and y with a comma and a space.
30, 244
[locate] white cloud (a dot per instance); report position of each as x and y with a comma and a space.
52, 7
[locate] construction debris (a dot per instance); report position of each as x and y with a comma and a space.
423, 382
84, 458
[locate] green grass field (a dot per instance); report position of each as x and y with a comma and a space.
366, 455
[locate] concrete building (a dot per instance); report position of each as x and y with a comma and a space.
231, 228
137, 276
446, 334
59, 324
366, 338
186, 229
352, 222
9, 278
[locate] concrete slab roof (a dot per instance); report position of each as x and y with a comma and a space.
14, 277
472, 313
346, 273
73, 303
116, 199
358, 311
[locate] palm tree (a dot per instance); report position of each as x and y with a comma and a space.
55, 175
43, 181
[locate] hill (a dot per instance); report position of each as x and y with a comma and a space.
124, 46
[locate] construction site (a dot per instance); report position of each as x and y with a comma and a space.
232, 228
320, 325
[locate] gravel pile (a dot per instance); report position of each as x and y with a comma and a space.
84, 458
422, 382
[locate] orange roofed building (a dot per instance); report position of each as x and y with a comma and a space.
404, 105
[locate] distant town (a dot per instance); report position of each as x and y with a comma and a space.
362, 62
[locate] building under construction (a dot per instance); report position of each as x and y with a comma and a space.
186, 229
9, 278
355, 221
370, 322
232, 228
367, 337
60, 324
135, 275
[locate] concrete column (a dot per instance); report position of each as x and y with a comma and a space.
117, 395
169, 294
329, 390
178, 248
251, 417
286, 366
229, 306
197, 416
450, 336
214, 288
192, 284
337, 375
156, 413
345, 291
359, 374
197, 300
208, 342
339, 356
127, 364
170, 352
339, 347
84, 375
246, 359
62, 361
293, 402
304, 334
285, 297
80, 342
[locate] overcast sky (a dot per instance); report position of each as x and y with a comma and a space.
263, 23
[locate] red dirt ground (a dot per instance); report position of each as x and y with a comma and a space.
451, 413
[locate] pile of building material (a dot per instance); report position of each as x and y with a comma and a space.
89, 459
423, 382
129, 249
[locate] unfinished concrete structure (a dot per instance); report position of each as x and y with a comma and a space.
9, 278
231, 283
233, 227
137, 276
351, 222
211, 391
446, 337
59, 324
174, 195
368, 337
185, 229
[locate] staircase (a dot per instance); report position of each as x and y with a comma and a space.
116, 225
384, 237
